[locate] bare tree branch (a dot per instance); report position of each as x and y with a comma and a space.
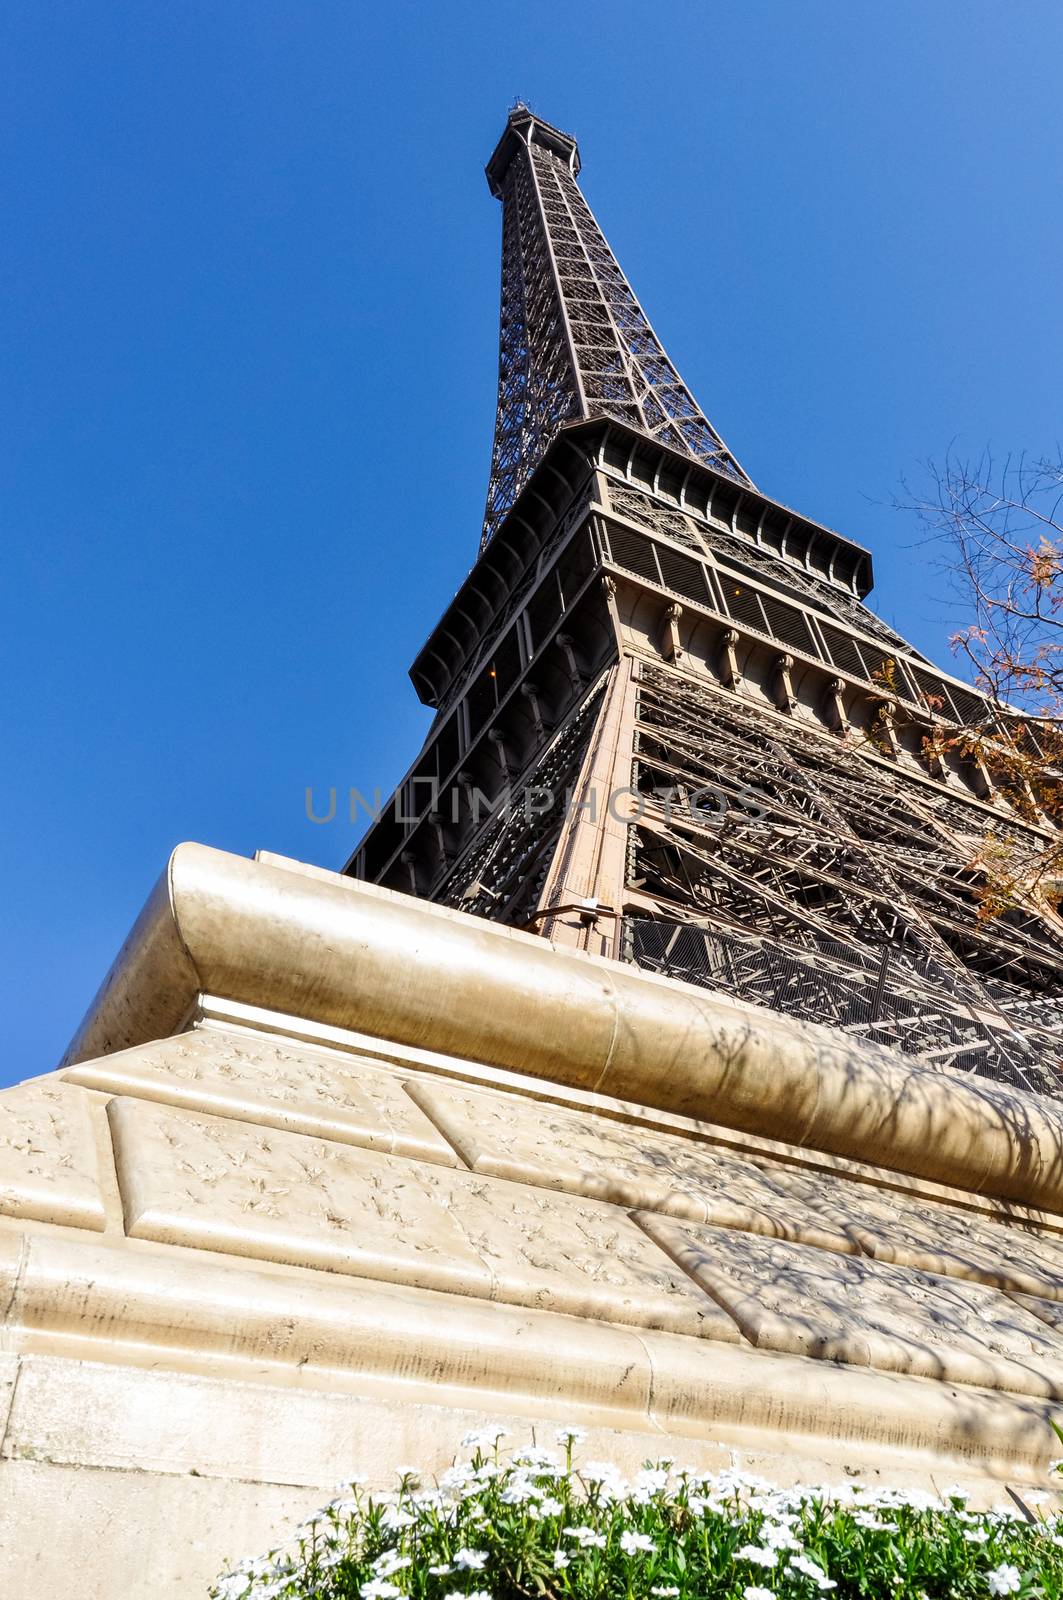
998, 530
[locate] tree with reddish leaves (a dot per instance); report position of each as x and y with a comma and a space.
998, 532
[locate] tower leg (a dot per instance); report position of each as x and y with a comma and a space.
590, 863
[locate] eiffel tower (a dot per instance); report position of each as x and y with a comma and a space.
668, 729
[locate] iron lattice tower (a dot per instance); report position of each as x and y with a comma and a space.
573, 340
667, 727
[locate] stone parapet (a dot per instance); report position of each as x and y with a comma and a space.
331, 1175
384, 964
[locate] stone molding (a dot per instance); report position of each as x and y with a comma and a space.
356, 956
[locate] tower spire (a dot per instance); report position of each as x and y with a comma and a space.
574, 342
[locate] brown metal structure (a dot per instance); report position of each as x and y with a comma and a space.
667, 727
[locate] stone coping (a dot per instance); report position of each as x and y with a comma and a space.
328, 948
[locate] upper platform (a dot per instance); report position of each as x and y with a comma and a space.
576, 449
524, 127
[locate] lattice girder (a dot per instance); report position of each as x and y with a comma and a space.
573, 340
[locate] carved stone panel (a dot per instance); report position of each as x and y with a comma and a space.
1050, 1311
597, 1156
222, 1185
847, 1308
630, 1166
48, 1167
937, 1238
278, 1083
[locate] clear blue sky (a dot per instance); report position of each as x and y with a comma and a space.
248, 319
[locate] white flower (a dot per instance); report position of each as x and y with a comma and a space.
457, 1476
759, 1556
631, 1542
441, 1572
777, 1536
867, 1519
470, 1560
547, 1507
606, 1479
393, 1518
519, 1490
342, 1490
434, 1499
812, 1570
976, 1536
587, 1537
561, 1561
664, 1591
700, 1503
343, 1507
233, 1586
484, 1438
569, 1436
391, 1561
754, 1592
379, 1590
1004, 1579
652, 1479
538, 1459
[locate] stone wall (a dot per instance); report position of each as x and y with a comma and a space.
271, 1248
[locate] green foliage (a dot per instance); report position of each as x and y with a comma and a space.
538, 1525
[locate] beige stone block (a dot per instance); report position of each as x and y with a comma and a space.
274, 1082
93, 1414
852, 1417
85, 1413
93, 1534
48, 1163
420, 1355
937, 1238
8, 1374
221, 1185
1050, 1311
12, 1252
531, 1142
790, 1297
179, 1306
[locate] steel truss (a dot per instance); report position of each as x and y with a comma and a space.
573, 340
501, 873
795, 871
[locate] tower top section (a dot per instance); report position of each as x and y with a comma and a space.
523, 127
574, 343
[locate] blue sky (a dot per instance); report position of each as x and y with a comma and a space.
249, 330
